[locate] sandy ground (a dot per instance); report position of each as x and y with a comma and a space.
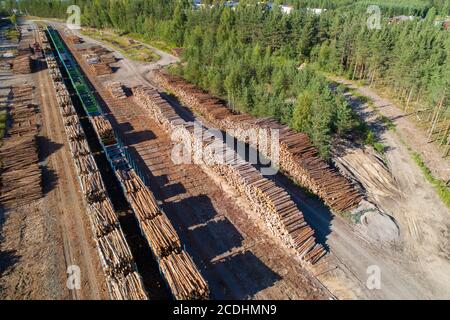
53, 232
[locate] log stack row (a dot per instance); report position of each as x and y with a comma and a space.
100, 69
20, 172
22, 64
298, 158
74, 39
117, 261
274, 206
99, 59
161, 235
116, 89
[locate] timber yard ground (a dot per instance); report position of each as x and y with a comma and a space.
231, 246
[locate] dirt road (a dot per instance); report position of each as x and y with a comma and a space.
234, 253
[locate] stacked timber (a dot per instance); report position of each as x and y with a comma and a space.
79, 148
108, 58
180, 272
103, 218
74, 39
298, 158
115, 255
5, 65
128, 288
85, 163
162, 236
22, 64
141, 199
183, 277
273, 204
74, 131
100, 69
104, 129
20, 172
116, 90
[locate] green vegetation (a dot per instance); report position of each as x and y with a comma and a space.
441, 187
133, 51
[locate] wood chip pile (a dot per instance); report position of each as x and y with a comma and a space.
20, 172
272, 203
117, 261
116, 90
298, 158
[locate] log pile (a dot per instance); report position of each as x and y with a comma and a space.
123, 281
22, 64
103, 218
104, 129
273, 205
116, 90
79, 148
100, 69
183, 277
20, 171
164, 239
115, 253
93, 187
128, 288
298, 158
94, 50
141, 199
108, 58
74, 39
